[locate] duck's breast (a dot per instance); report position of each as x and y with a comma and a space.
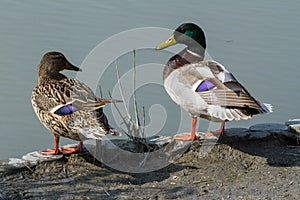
179, 86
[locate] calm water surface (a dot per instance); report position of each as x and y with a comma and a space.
257, 40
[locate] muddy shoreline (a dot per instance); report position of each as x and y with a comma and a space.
235, 168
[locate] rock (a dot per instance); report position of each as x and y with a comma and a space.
270, 127
27, 161
295, 128
236, 132
294, 125
292, 122
246, 133
12, 163
258, 134
37, 157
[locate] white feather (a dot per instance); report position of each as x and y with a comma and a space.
54, 109
268, 108
195, 86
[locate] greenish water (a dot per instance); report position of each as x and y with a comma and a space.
257, 40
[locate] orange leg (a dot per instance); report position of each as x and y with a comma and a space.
192, 135
66, 150
221, 131
54, 151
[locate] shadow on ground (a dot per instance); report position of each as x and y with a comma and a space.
277, 148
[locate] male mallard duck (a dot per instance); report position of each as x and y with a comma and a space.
67, 107
205, 88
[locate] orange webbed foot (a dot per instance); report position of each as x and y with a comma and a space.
70, 150
186, 137
64, 150
50, 152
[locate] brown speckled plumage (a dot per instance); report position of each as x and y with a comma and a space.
54, 91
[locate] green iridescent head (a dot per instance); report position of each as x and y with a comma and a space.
189, 34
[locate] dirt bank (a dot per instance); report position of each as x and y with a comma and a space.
236, 168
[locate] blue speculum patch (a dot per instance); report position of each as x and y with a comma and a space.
66, 110
204, 86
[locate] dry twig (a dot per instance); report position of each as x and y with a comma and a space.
135, 131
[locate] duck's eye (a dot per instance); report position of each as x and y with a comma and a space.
204, 86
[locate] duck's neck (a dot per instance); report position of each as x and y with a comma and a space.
184, 57
44, 76
196, 51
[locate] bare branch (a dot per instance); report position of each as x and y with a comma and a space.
121, 93
100, 90
135, 131
144, 122
137, 121
123, 118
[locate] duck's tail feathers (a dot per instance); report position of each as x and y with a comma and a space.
109, 100
267, 108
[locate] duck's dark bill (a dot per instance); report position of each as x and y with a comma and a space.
74, 68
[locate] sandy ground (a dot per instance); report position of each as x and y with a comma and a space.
236, 168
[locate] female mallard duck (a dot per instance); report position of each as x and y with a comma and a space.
67, 107
205, 88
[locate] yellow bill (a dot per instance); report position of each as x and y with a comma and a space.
171, 41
